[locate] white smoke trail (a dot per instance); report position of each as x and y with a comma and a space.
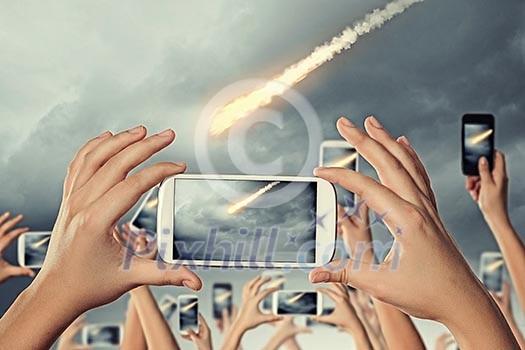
241, 107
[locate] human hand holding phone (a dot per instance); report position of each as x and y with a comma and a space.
250, 315
424, 255
84, 266
8, 233
490, 191
344, 315
490, 188
225, 322
201, 339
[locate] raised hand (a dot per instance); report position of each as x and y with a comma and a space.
202, 339
8, 233
344, 315
286, 331
250, 315
424, 257
84, 265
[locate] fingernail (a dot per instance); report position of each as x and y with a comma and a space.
166, 133
404, 140
136, 130
316, 170
189, 284
320, 277
346, 122
483, 161
180, 164
104, 134
375, 123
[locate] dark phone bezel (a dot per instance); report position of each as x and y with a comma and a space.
217, 315
480, 118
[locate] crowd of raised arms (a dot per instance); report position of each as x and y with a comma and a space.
433, 280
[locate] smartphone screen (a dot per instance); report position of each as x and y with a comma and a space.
222, 299
277, 281
168, 306
146, 218
36, 246
492, 266
296, 303
188, 313
345, 157
478, 141
207, 226
102, 335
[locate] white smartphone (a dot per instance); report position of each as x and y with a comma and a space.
32, 248
277, 281
146, 216
297, 303
339, 153
188, 313
168, 306
491, 270
102, 335
246, 221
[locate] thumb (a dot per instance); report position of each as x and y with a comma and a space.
192, 334
20, 271
484, 172
158, 273
351, 272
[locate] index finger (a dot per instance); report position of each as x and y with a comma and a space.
109, 208
389, 169
378, 197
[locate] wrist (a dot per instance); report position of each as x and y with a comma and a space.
478, 324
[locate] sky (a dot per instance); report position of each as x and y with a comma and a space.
70, 70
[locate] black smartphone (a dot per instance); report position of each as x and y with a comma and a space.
477, 141
222, 299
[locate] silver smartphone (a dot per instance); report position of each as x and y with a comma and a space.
32, 248
339, 153
297, 303
188, 313
492, 266
102, 335
262, 221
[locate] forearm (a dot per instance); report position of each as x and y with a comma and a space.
398, 329
360, 336
515, 329
37, 318
291, 344
479, 324
513, 251
375, 336
156, 330
133, 335
275, 342
232, 340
